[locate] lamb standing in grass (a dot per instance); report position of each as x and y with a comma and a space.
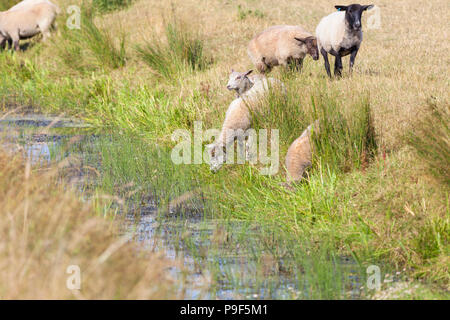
299, 155
25, 23
282, 45
340, 34
238, 116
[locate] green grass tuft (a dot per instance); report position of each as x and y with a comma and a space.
183, 52
104, 6
91, 48
344, 142
430, 138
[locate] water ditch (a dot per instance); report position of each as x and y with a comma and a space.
221, 259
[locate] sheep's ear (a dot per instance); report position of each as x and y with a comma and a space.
341, 8
367, 7
307, 40
248, 72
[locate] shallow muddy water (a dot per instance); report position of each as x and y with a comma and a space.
221, 259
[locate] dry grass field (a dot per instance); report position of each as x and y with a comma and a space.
45, 229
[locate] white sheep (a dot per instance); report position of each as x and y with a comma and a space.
282, 45
30, 3
340, 34
26, 22
238, 117
299, 154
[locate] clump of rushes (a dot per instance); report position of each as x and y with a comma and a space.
346, 139
47, 231
430, 138
182, 52
90, 47
345, 142
104, 6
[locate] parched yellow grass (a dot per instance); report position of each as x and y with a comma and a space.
45, 228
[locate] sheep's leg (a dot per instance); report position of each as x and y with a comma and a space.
289, 63
327, 63
299, 65
45, 30
10, 44
2, 42
263, 66
352, 59
45, 35
338, 66
15, 38
15, 41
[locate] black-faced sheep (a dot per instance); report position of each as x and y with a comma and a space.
340, 34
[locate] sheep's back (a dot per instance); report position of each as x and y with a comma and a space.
27, 4
330, 31
298, 158
27, 17
277, 42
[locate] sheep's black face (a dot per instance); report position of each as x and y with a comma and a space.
313, 50
311, 46
353, 14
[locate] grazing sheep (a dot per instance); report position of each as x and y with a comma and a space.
25, 23
340, 34
238, 116
237, 120
299, 154
282, 45
30, 3
241, 82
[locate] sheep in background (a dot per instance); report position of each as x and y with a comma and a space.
25, 23
241, 82
340, 34
30, 3
299, 154
282, 45
238, 116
